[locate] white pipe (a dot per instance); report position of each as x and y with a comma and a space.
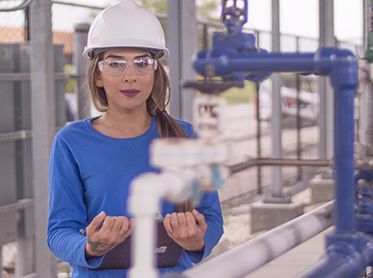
144, 203
248, 257
143, 243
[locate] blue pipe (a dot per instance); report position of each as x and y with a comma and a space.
336, 263
234, 55
341, 66
345, 254
225, 61
344, 160
344, 79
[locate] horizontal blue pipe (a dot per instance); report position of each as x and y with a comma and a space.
225, 61
228, 63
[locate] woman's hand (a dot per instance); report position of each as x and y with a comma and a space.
186, 229
106, 232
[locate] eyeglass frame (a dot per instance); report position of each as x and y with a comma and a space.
101, 66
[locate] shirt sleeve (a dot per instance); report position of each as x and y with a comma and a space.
210, 208
67, 211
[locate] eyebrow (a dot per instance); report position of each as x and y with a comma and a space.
122, 57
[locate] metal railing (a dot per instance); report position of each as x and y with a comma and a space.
21, 6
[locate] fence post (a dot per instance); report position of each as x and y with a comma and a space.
325, 120
182, 42
43, 127
81, 65
276, 120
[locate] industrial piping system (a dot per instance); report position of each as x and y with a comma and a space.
235, 57
349, 251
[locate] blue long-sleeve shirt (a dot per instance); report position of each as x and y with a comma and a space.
91, 172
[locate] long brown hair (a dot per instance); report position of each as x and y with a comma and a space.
156, 104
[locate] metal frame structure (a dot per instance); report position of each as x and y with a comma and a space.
234, 57
182, 43
348, 250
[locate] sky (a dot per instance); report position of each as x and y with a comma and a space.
300, 17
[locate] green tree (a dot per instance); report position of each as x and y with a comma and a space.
205, 9
155, 6
208, 10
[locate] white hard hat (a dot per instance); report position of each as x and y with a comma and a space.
126, 24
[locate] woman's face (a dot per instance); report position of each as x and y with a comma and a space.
127, 78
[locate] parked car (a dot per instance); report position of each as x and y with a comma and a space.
308, 99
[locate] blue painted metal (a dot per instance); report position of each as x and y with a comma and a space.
363, 202
346, 258
234, 16
234, 56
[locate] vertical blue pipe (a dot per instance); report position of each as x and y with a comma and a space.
344, 159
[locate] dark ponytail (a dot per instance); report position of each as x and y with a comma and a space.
157, 102
167, 126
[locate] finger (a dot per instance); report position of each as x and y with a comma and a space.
191, 220
201, 221
96, 223
124, 225
118, 224
124, 228
167, 223
107, 225
131, 225
174, 222
182, 219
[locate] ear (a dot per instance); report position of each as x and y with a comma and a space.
98, 79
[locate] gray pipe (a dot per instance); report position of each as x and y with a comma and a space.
21, 6
279, 162
248, 257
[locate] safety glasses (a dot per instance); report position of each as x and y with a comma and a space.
116, 67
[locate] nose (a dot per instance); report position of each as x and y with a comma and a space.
129, 74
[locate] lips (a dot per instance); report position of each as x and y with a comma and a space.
130, 92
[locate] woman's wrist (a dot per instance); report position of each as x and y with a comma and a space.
198, 247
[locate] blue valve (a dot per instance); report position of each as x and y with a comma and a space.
233, 41
234, 15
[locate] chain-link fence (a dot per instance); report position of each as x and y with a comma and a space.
65, 15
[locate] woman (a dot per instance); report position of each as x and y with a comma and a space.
94, 160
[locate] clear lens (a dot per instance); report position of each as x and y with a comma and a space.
141, 66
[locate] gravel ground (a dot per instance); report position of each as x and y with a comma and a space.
237, 222
240, 189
